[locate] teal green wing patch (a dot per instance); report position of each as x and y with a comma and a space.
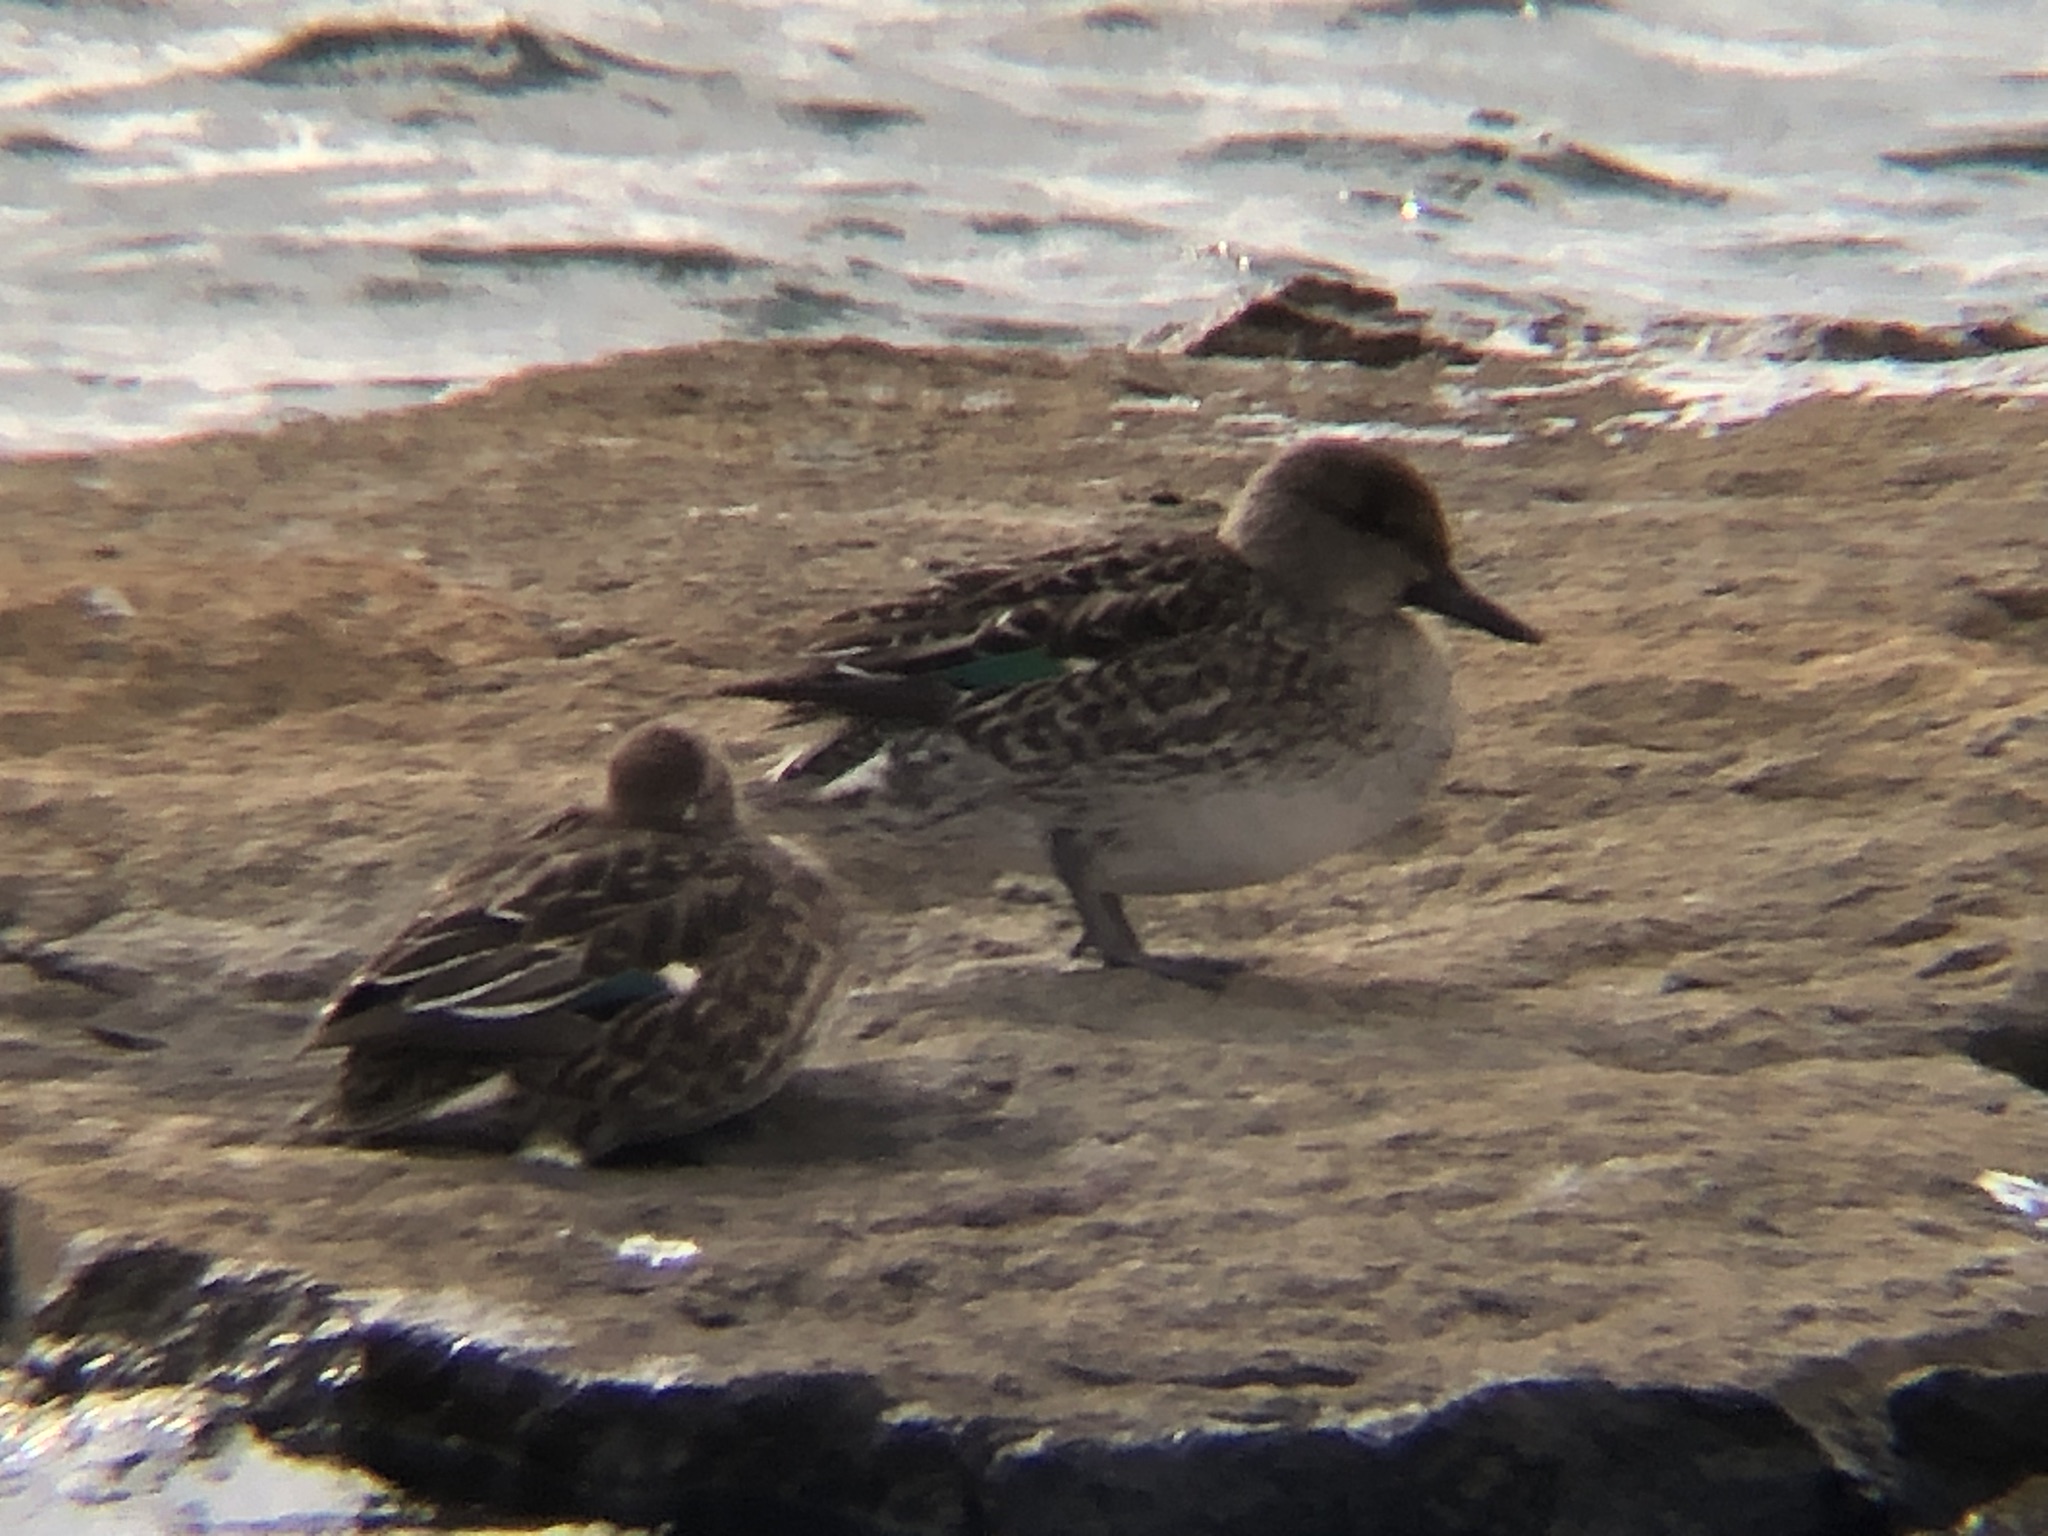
992, 632
1006, 669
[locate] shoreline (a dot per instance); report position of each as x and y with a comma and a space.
1642, 1063
1705, 371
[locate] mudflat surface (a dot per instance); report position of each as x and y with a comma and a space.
1637, 1058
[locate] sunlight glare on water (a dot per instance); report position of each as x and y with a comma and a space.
142, 1464
215, 213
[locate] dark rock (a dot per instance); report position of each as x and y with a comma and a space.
1540, 1456
1971, 1433
1336, 295
2021, 1511
1312, 318
1855, 341
157, 1315
451, 1418
476, 1425
502, 59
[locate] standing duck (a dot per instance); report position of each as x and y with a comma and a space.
1182, 714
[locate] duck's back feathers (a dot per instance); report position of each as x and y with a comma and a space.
521, 953
1006, 625
1064, 598
994, 629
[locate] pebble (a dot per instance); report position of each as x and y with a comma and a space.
108, 605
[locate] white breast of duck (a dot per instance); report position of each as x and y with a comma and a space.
1269, 817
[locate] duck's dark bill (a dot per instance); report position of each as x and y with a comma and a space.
1449, 596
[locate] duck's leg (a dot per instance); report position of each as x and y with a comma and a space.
1106, 930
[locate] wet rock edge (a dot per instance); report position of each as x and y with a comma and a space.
494, 1432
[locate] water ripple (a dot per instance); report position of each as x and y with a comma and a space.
208, 201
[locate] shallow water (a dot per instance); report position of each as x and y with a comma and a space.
203, 228
148, 1463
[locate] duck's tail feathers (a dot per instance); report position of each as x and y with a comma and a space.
820, 763
843, 689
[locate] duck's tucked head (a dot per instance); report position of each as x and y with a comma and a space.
1340, 524
666, 778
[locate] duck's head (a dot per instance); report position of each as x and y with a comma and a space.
1340, 524
667, 778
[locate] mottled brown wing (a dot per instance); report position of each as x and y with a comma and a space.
1087, 601
579, 918
1197, 699
739, 1032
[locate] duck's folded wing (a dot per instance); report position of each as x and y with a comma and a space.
1203, 697
579, 939
465, 981
990, 631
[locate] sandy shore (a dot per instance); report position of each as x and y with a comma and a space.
1640, 1060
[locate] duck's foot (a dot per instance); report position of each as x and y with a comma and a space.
1209, 972
1107, 931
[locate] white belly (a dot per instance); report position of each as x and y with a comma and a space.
1222, 835
1206, 834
